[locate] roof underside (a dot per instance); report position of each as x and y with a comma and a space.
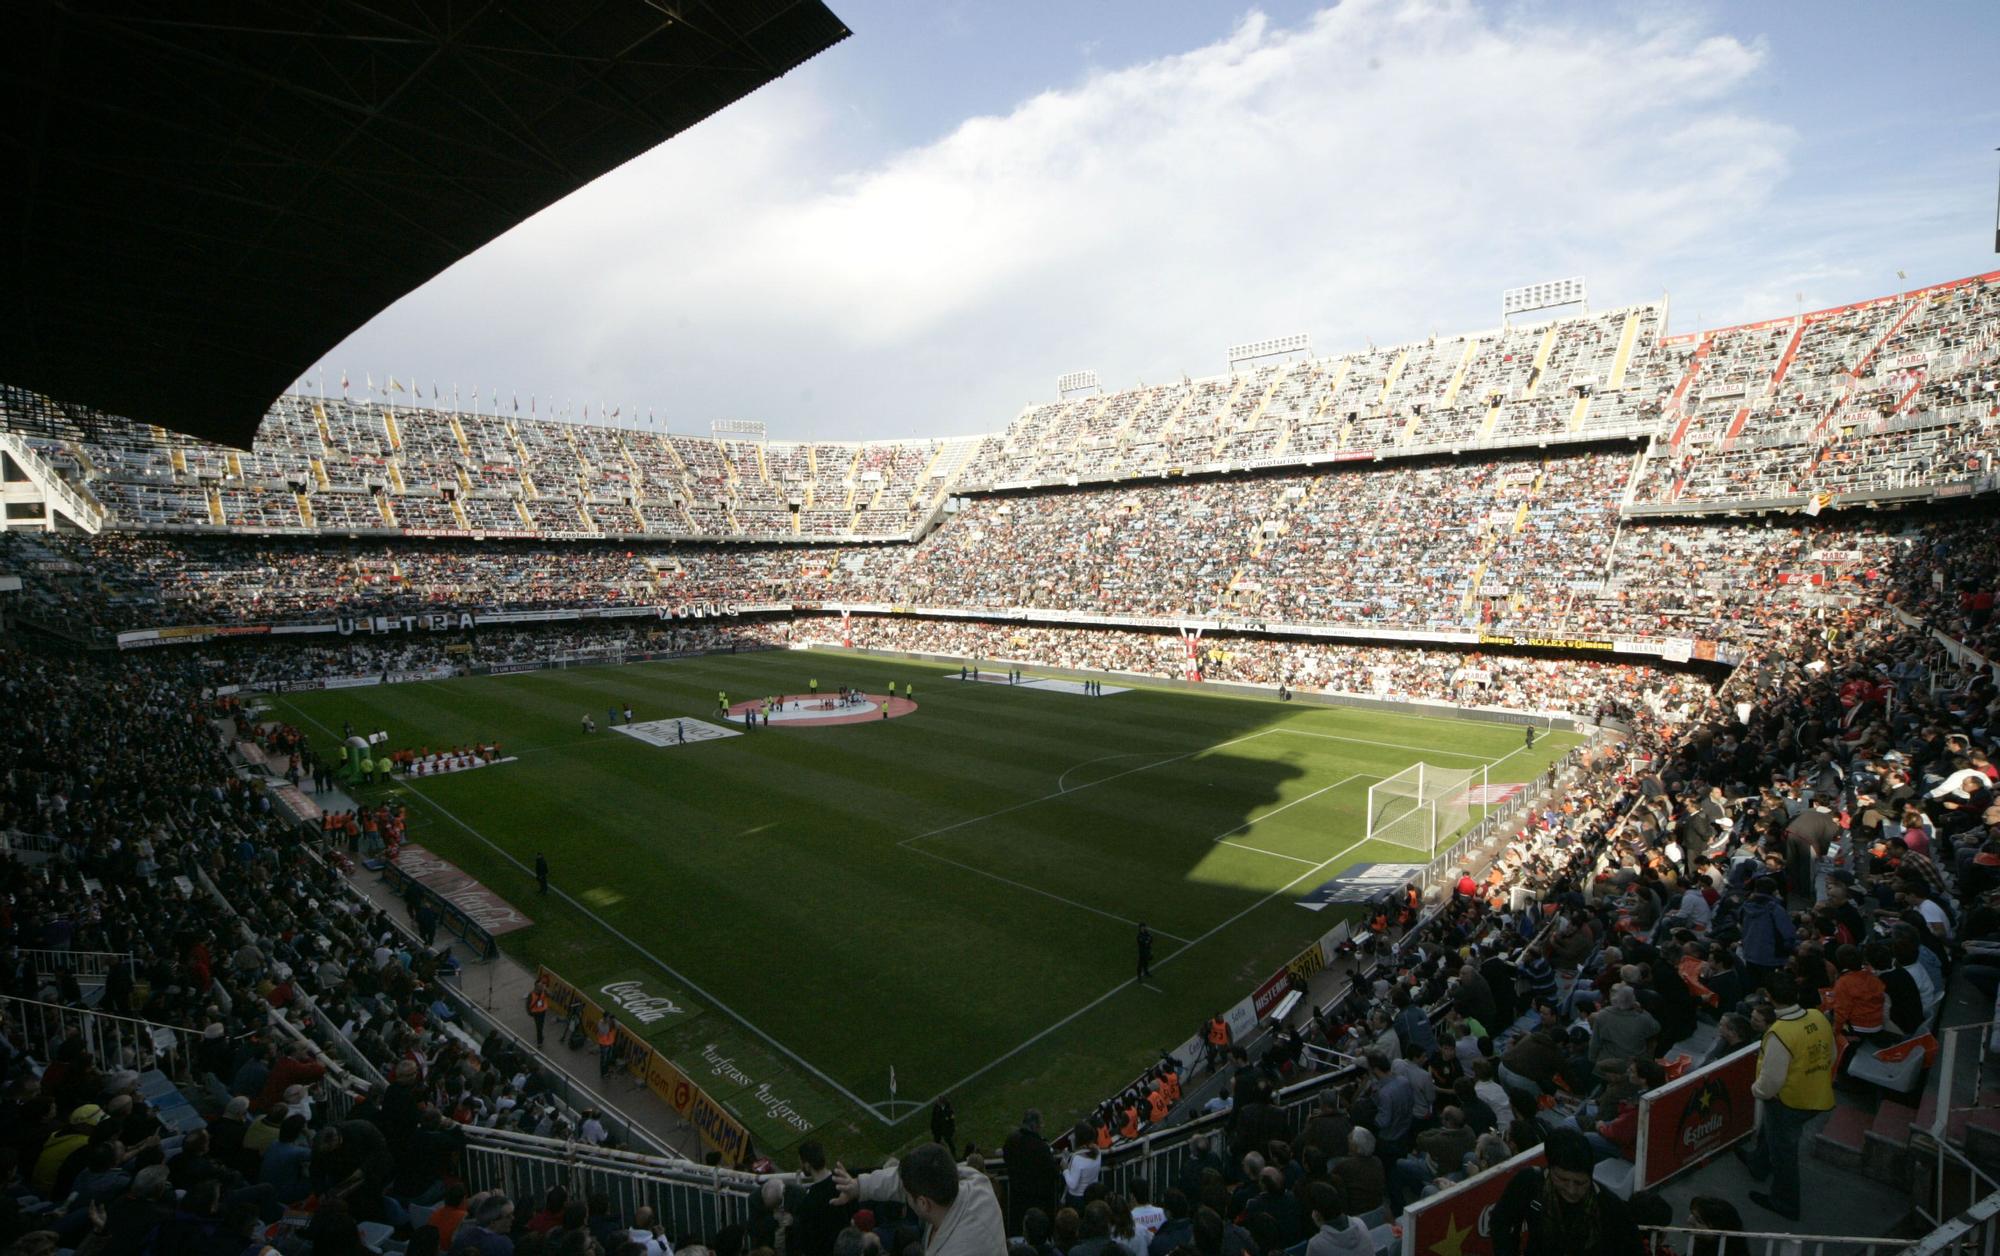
204, 198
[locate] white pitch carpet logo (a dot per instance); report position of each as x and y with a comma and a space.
670, 733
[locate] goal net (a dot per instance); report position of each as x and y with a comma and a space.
1421, 807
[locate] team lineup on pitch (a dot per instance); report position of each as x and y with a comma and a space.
1025, 828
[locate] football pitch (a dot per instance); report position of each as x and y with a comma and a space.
952, 894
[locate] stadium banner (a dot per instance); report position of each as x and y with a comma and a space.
1459, 1221
1275, 987
438, 621
1690, 1119
719, 1130
1569, 643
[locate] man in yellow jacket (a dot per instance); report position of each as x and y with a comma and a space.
1795, 1082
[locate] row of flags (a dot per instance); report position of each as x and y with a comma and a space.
415, 392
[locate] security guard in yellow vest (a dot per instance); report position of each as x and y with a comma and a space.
1795, 1081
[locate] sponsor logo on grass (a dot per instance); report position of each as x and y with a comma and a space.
675, 732
640, 1006
776, 1106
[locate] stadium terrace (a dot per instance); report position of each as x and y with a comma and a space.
1691, 636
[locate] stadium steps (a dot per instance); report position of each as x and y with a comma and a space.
521, 509
305, 509
1578, 412
178, 459
1492, 417
458, 513
1735, 428
1628, 339
390, 428
1910, 309
1089, 423
1541, 363
1166, 436
395, 475
1909, 395
388, 511
235, 464
458, 434
1771, 389
1458, 376
319, 475
1676, 400
319, 421
1389, 380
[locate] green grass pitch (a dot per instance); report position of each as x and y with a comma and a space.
952, 893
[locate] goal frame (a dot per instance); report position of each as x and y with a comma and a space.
1423, 786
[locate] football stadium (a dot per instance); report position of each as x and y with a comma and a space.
1521, 789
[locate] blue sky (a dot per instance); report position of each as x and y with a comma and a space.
915, 233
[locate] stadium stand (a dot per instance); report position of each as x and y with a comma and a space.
1635, 939
1503, 575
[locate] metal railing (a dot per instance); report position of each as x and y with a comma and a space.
15, 842
1974, 1232
115, 1042
687, 1198
83, 965
1688, 1239
571, 1093
1945, 1174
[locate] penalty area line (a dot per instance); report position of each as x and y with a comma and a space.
997, 1061
1102, 780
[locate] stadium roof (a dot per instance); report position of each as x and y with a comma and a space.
204, 198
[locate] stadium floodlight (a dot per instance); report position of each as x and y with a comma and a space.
1543, 296
1422, 807
1278, 346
1076, 382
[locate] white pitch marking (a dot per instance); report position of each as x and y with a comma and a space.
1393, 745
724, 1008
1023, 885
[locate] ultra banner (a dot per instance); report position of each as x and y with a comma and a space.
1691, 1118
1459, 1222
721, 1132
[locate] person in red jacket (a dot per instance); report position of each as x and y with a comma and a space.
296, 1067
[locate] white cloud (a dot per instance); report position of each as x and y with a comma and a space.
1381, 169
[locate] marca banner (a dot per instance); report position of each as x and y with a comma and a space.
1459, 1222
722, 1132
1693, 1117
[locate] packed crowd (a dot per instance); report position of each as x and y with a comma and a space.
1525, 546
1886, 394
324, 1049
337, 465
258, 664
1835, 845
1698, 890
1466, 677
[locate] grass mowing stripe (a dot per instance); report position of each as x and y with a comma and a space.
615, 932
768, 865
787, 1052
973, 1076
